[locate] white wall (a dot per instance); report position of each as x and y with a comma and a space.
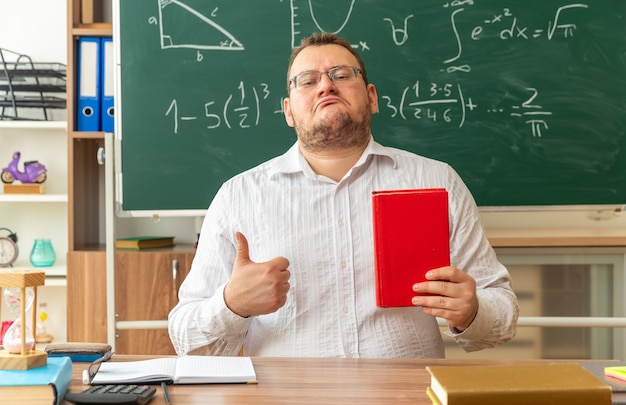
36, 28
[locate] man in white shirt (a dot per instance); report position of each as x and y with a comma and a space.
285, 263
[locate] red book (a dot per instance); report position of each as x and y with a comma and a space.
410, 237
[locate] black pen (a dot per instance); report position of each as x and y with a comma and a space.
166, 394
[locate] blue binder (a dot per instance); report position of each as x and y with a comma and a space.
108, 85
88, 84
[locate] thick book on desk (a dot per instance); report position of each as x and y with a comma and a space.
411, 236
536, 384
178, 370
144, 242
42, 385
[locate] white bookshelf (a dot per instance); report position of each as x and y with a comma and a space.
36, 216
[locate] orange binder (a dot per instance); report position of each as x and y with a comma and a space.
410, 237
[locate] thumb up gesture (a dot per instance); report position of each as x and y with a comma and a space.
256, 288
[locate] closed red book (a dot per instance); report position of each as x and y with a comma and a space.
410, 237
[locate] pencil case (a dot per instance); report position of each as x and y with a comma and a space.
82, 352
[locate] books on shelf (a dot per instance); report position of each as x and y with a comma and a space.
144, 242
537, 384
178, 370
411, 236
41, 385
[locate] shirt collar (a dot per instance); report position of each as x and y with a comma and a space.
292, 161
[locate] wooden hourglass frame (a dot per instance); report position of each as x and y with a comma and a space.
23, 279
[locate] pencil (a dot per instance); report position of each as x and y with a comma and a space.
166, 394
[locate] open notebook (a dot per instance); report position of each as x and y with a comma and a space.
178, 370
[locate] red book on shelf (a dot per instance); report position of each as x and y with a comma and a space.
410, 237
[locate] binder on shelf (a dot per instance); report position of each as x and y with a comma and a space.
88, 93
108, 69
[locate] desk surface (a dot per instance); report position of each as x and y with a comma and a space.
313, 381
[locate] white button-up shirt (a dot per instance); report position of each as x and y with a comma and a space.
324, 229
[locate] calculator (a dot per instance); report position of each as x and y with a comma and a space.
120, 394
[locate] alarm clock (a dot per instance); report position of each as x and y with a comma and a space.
8, 248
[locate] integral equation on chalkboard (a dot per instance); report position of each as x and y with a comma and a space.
445, 102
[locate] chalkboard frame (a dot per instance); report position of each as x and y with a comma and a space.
521, 91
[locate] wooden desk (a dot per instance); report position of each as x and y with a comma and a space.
318, 381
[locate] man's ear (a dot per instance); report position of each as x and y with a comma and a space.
373, 96
287, 112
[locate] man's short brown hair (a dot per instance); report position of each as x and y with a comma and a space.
325, 38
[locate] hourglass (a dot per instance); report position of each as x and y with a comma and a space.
13, 337
19, 352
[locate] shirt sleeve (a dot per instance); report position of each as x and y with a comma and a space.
201, 323
498, 308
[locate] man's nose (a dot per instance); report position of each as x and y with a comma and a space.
325, 81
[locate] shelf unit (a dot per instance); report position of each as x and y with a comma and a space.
34, 216
572, 304
86, 263
98, 297
43, 215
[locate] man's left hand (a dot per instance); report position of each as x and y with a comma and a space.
456, 300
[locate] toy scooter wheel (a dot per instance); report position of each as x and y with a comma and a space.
41, 179
7, 177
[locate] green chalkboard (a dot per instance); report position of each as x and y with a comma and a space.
526, 99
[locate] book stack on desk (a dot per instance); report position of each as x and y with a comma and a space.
41, 385
536, 384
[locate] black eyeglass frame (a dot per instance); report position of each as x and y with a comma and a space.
95, 365
330, 73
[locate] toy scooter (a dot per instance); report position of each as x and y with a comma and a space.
34, 172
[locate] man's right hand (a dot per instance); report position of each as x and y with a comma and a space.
256, 288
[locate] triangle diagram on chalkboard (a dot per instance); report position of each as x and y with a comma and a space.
184, 27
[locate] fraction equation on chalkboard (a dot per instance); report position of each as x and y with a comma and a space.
446, 103
238, 109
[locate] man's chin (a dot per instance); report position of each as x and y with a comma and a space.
333, 117
330, 114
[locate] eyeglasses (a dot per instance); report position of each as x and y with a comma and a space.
339, 76
95, 365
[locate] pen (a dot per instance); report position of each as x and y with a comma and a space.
166, 394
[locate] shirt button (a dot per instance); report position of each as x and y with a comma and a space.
344, 265
340, 223
345, 310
